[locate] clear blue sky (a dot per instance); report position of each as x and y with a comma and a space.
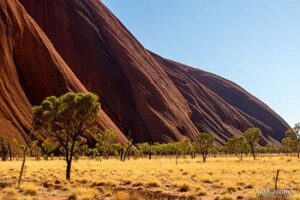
255, 43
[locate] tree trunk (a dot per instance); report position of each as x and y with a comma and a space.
126, 152
23, 165
10, 152
276, 179
70, 158
150, 153
28, 145
121, 155
253, 152
68, 170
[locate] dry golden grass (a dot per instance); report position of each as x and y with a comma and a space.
10, 193
29, 189
83, 193
127, 196
219, 178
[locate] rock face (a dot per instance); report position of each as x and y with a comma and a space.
134, 89
30, 70
146, 97
220, 106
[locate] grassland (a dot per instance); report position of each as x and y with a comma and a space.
160, 178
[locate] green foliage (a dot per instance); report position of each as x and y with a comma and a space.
106, 142
288, 143
183, 146
49, 146
66, 119
35, 149
290, 133
164, 149
297, 130
252, 136
145, 148
68, 114
291, 141
237, 145
204, 144
271, 149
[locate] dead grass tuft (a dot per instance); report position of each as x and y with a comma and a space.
30, 189
153, 184
83, 194
127, 196
184, 187
10, 193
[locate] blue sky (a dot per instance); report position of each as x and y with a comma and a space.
255, 43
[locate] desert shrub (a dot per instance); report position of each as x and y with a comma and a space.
29, 189
273, 197
184, 187
83, 194
153, 184
10, 193
121, 195
204, 144
252, 136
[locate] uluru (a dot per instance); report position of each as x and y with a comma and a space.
51, 47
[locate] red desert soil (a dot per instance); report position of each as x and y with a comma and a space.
152, 98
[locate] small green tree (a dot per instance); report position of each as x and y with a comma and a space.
204, 142
297, 132
35, 149
105, 142
124, 150
290, 133
193, 150
288, 145
291, 141
237, 145
145, 149
48, 147
66, 119
252, 136
271, 149
182, 147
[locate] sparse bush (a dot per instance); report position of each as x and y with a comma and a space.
105, 142
83, 194
10, 193
153, 184
29, 189
121, 195
252, 136
204, 144
48, 147
273, 197
237, 145
184, 187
